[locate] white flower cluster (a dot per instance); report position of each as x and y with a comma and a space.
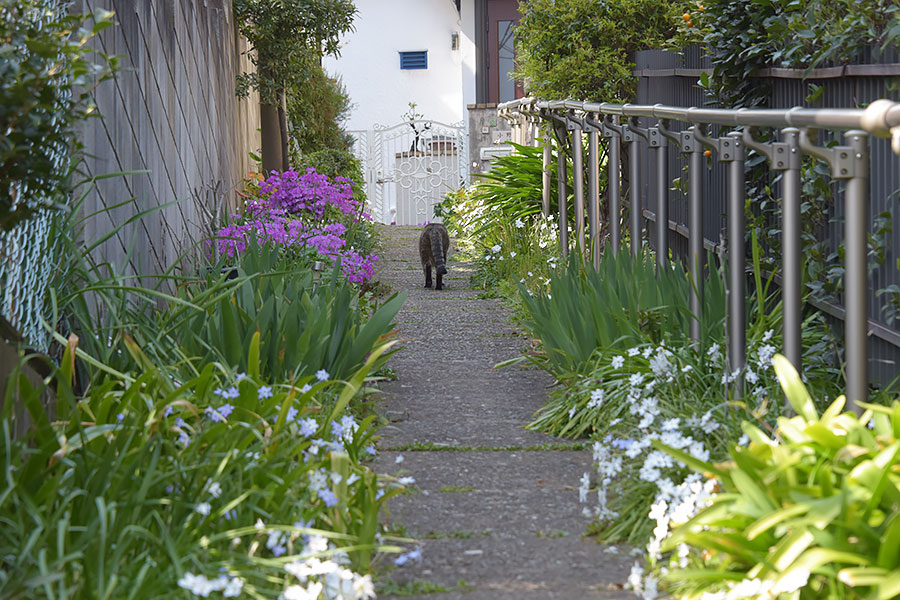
608, 466
326, 579
645, 587
673, 503
761, 588
199, 585
329, 579
677, 506
674, 507
661, 366
494, 253
549, 232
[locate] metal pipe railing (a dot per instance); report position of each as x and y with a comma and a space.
546, 171
659, 143
577, 145
848, 162
631, 134
881, 118
594, 194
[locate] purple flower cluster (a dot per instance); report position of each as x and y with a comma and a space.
291, 212
311, 192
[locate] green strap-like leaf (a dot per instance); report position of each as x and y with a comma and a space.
794, 389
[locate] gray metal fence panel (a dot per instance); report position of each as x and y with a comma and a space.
671, 78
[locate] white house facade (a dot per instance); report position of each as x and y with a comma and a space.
402, 51
412, 68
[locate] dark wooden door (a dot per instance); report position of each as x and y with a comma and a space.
502, 17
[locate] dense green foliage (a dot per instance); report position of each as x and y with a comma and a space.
584, 49
743, 36
316, 111
500, 219
811, 507
306, 325
289, 37
139, 483
624, 303
512, 188
206, 433
333, 163
47, 75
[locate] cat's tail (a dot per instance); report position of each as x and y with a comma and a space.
437, 251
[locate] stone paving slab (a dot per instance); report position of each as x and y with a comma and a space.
508, 522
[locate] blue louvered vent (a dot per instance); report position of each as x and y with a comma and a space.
414, 60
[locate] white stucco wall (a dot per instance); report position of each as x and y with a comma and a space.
369, 64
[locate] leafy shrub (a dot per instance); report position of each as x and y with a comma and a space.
334, 163
742, 36
511, 190
317, 110
288, 41
138, 489
813, 509
583, 48
499, 222
513, 186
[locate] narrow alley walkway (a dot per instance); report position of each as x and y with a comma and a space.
497, 508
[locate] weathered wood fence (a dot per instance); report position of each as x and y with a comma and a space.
172, 111
171, 119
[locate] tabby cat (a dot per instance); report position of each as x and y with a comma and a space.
433, 245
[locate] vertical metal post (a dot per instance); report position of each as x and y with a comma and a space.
634, 195
594, 194
856, 278
851, 163
659, 143
371, 178
578, 186
786, 157
561, 193
733, 152
613, 184
695, 226
545, 174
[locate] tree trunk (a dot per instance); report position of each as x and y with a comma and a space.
282, 124
270, 132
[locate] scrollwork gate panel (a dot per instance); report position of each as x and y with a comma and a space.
410, 167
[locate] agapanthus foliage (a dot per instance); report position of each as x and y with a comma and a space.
304, 211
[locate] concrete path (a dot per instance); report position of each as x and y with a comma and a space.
497, 507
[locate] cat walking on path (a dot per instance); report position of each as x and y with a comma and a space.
433, 245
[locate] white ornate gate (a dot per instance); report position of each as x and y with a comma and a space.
410, 167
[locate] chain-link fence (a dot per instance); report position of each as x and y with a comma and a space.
28, 250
